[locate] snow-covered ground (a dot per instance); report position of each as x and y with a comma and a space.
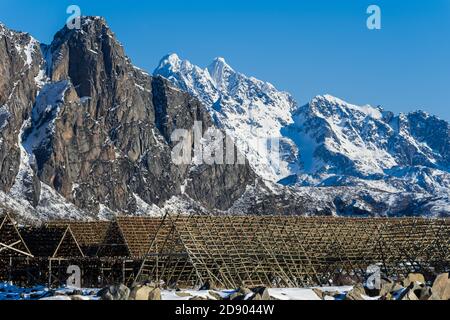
9, 291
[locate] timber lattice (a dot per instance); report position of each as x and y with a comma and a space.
291, 251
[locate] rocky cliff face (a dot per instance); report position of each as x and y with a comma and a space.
21, 77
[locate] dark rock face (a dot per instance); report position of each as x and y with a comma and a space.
107, 136
20, 64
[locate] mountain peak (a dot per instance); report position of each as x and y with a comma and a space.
219, 64
90, 25
220, 71
170, 61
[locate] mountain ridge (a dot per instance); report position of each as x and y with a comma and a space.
85, 134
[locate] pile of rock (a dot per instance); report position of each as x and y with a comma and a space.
138, 292
242, 293
413, 287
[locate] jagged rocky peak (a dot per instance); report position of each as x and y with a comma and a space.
170, 63
251, 111
220, 72
99, 132
78, 54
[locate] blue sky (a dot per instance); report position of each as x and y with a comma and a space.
304, 47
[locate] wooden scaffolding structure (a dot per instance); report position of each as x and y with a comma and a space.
90, 235
11, 241
14, 253
290, 251
52, 242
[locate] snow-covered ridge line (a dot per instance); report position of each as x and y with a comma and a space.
251, 111
327, 142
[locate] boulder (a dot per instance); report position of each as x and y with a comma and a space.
244, 290
263, 292
421, 290
145, 293
236, 296
388, 287
441, 288
114, 292
183, 294
215, 295
76, 292
319, 293
413, 277
198, 298
345, 280
409, 295
356, 293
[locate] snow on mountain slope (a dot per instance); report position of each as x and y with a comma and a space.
327, 142
345, 138
251, 111
344, 144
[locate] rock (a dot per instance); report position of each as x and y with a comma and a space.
208, 285
421, 290
155, 294
263, 293
183, 294
77, 297
413, 277
388, 287
215, 295
198, 298
319, 293
114, 292
334, 294
345, 280
441, 287
236, 296
145, 293
425, 293
356, 293
20, 63
245, 291
409, 295
121, 130
76, 292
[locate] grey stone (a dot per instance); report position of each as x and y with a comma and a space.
114, 292
413, 277
356, 293
441, 287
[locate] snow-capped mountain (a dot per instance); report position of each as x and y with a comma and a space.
251, 111
86, 134
340, 142
325, 143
